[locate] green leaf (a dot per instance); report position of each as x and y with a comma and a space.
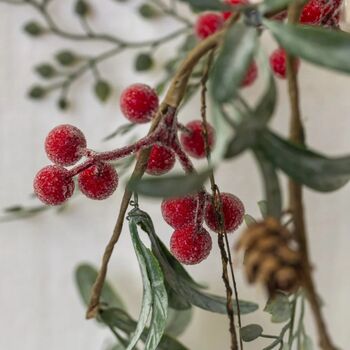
249, 220
324, 47
121, 130
307, 343
251, 332
170, 186
263, 206
63, 104
305, 166
85, 277
279, 308
81, 8
147, 298
271, 185
148, 11
66, 58
36, 92
273, 5
102, 90
182, 286
143, 62
118, 318
45, 70
178, 321
206, 5
233, 62
33, 28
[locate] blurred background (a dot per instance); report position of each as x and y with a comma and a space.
40, 306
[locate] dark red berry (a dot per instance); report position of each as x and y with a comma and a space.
98, 181
193, 140
139, 103
228, 14
65, 145
250, 76
207, 24
233, 212
190, 245
179, 212
312, 12
278, 63
53, 185
161, 160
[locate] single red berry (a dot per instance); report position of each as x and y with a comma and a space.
65, 145
250, 75
331, 13
98, 181
312, 13
233, 212
278, 63
193, 140
53, 185
179, 212
139, 103
190, 245
161, 160
228, 14
207, 24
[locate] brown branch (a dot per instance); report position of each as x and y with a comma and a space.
296, 194
172, 100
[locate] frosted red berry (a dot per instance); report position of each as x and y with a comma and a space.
180, 212
161, 160
139, 103
207, 24
312, 13
53, 185
250, 75
228, 14
193, 140
65, 145
233, 212
98, 181
278, 63
190, 245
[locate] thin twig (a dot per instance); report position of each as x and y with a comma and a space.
296, 193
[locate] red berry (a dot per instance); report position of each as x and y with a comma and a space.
161, 160
53, 185
193, 140
139, 102
278, 63
179, 212
331, 13
98, 181
233, 211
65, 144
250, 76
312, 12
208, 24
228, 14
190, 245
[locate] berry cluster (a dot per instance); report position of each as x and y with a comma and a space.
190, 242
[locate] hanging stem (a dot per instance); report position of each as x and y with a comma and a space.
296, 193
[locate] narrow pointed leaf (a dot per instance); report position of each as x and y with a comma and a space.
178, 321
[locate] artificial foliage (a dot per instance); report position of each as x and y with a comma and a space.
219, 56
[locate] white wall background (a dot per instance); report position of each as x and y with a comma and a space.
40, 308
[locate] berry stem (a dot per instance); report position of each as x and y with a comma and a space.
296, 193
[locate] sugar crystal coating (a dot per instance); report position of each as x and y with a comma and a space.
233, 212
65, 145
179, 212
53, 185
190, 245
139, 103
278, 63
160, 161
193, 140
207, 24
312, 12
99, 181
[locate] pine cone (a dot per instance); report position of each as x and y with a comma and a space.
271, 256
